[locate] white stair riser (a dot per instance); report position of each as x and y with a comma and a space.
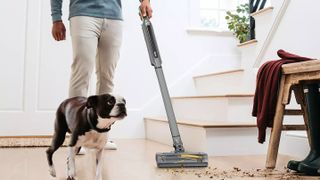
201, 109
239, 109
263, 23
219, 84
234, 141
213, 109
241, 82
249, 54
194, 138
214, 141
218, 64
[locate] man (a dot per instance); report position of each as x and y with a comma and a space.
96, 34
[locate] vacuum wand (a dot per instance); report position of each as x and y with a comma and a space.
156, 62
178, 158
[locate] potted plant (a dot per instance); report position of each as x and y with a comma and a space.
238, 22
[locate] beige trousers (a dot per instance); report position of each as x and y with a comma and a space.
95, 41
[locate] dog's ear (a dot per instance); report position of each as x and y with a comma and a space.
92, 101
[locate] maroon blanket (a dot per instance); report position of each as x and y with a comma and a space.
265, 97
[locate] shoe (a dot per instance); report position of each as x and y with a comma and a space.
293, 164
110, 145
82, 151
310, 168
311, 163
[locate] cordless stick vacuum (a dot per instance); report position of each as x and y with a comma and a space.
177, 158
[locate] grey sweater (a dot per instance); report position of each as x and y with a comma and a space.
110, 9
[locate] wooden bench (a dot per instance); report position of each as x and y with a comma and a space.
292, 79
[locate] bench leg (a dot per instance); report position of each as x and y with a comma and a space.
276, 129
275, 139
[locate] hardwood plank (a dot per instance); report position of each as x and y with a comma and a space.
134, 159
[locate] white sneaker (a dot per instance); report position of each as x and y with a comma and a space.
82, 151
110, 145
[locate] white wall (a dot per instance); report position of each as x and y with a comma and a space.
35, 69
298, 31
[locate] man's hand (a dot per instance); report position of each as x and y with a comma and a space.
58, 31
145, 8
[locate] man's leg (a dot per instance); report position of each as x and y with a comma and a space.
84, 34
108, 55
107, 58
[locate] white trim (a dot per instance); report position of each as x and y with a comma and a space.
272, 32
209, 31
25, 57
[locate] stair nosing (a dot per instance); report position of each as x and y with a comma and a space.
262, 11
219, 73
217, 124
253, 41
214, 96
207, 124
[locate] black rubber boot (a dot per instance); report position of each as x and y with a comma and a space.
311, 165
293, 164
310, 168
312, 98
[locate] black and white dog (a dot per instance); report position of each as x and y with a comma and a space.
87, 120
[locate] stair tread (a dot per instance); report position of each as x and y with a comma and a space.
207, 124
219, 73
261, 11
214, 96
226, 124
253, 41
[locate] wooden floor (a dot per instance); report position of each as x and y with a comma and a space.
134, 160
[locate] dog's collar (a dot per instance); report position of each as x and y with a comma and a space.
94, 127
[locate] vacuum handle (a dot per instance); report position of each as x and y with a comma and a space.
151, 42
150, 39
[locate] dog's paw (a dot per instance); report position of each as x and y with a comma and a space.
70, 178
52, 171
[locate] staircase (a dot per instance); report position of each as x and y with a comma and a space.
218, 118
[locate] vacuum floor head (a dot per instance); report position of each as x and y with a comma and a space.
181, 159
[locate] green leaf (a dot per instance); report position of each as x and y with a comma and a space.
238, 22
